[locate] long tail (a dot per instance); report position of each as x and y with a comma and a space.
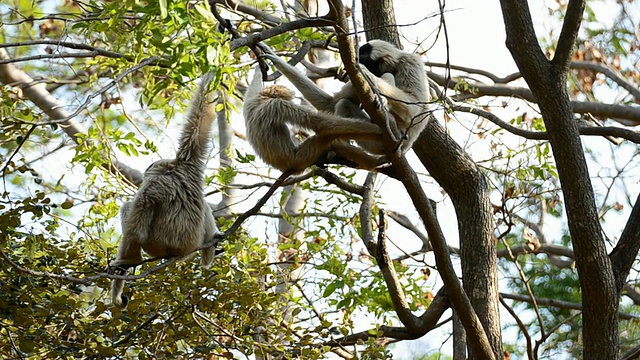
195, 133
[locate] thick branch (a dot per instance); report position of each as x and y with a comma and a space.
624, 254
568, 35
460, 301
548, 85
10, 75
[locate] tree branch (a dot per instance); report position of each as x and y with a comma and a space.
379, 251
10, 75
611, 73
558, 303
624, 254
94, 51
277, 30
428, 321
409, 179
251, 10
568, 35
627, 115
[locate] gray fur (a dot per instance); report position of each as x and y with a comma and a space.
408, 99
268, 113
169, 215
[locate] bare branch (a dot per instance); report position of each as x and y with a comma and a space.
611, 73
604, 69
94, 51
632, 292
491, 76
10, 75
366, 214
428, 321
627, 134
623, 256
558, 303
634, 353
568, 35
627, 115
521, 326
280, 29
251, 10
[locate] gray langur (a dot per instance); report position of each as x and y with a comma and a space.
400, 78
407, 94
169, 216
269, 112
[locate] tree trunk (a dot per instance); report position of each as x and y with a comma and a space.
379, 12
456, 172
547, 81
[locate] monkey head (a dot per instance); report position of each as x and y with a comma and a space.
277, 92
379, 57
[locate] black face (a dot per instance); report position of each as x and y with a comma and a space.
364, 54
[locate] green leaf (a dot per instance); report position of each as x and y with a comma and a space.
163, 8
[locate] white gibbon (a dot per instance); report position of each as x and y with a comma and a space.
169, 215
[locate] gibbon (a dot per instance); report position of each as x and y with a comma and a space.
169, 215
268, 113
399, 76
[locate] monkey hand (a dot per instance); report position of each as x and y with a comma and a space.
115, 268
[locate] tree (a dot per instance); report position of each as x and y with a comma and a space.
332, 276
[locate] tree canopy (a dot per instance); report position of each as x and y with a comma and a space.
511, 230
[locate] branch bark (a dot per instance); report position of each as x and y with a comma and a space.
478, 338
547, 81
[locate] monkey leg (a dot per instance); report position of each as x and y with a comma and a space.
211, 231
309, 151
359, 156
129, 253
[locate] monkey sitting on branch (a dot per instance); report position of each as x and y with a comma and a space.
269, 112
169, 216
400, 78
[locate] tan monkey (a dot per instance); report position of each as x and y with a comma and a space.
169, 216
269, 112
399, 76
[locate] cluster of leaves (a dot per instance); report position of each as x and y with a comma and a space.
68, 226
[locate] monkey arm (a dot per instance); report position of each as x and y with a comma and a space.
255, 86
317, 97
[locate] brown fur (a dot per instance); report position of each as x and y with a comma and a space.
270, 112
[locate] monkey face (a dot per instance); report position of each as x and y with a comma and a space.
380, 57
368, 58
